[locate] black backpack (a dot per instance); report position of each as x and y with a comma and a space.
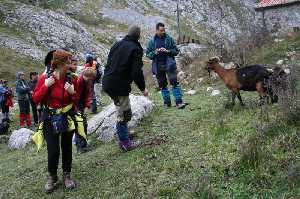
98, 73
4, 126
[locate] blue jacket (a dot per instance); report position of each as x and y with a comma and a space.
2, 94
151, 47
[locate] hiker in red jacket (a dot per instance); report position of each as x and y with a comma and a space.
57, 92
84, 97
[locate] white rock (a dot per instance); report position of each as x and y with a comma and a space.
191, 92
278, 40
209, 88
229, 65
104, 123
200, 80
279, 62
215, 92
20, 138
181, 75
287, 70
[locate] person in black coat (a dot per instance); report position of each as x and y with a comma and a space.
32, 84
124, 66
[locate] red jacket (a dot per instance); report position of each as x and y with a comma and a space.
41, 93
84, 94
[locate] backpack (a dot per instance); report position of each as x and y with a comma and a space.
4, 126
2, 95
98, 73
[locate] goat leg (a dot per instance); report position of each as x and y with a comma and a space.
240, 98
233, 97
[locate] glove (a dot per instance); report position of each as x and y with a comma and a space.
49, 81
69, 88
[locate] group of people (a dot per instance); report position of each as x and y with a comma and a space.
6, 102
61, 98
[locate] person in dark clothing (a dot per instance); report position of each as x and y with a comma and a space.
124, 66
32, 84
6, 99
23, 92
162, 49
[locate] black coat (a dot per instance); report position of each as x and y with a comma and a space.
124, 65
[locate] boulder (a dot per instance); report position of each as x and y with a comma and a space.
20, 138
191, 92
103, 124
279, 62
215, 92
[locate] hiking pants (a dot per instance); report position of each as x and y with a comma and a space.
53, 149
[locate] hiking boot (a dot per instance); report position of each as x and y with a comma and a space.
128, 145
167, 105
181, 105
51, 184
68, 181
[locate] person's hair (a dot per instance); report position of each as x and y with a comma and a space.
159, 25
89, 59
134, 31
49, 58
89, 72
32, 74
61, 57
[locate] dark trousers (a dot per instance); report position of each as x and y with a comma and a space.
94, 101
34, 112
163, 75
24, 106
5, 109
53, 149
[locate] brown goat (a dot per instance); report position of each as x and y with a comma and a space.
249, 78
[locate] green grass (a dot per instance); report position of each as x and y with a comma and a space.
204, 151
11, 62
271, 52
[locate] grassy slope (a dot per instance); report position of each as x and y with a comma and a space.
188, 153
11, 62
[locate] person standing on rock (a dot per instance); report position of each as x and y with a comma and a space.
23, 92
162, 49
124, 66
56, 91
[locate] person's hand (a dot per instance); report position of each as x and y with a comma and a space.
49, 81
69, 88
146, 92
85, 110
157, 50
163, 49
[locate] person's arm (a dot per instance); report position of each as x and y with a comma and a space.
40, 90
173, 51
150, 50
22, 89
75, 95
136, 69
88, 95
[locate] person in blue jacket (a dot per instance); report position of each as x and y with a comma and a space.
162, 49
